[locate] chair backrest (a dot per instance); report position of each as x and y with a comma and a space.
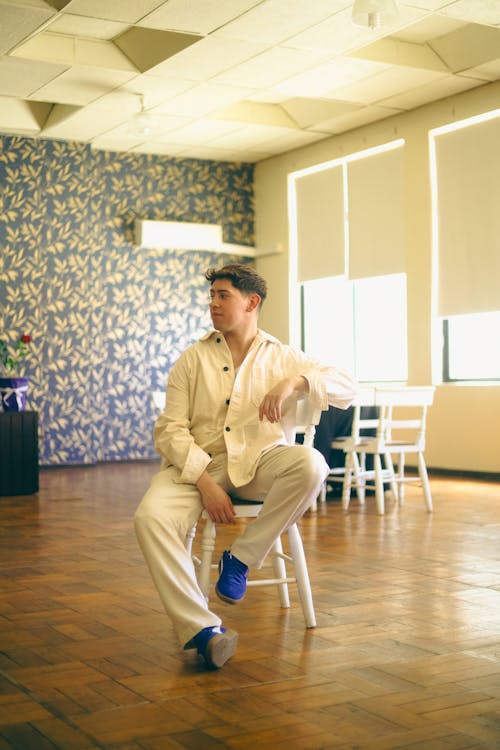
303, 421
361, 423
365, 396
404, 408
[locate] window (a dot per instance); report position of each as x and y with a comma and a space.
472, 347
359, 325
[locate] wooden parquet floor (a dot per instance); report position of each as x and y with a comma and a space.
406, 653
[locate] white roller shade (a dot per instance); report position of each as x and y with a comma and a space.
320, 224
468, 216
376, 209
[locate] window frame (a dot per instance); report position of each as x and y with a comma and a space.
446, 362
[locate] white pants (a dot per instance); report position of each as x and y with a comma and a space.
287, 480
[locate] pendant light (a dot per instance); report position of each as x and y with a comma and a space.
374, 13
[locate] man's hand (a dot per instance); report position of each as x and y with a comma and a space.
272, 402
215, 500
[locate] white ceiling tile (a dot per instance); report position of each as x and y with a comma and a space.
155, 90
468, 47
434, 5
152, 128
80, 127
490, 71
81, 85
203, 99
130, 11
19, 21
274, 21
256, 113
200, 131
267, 97
178, 15
430, 92
82, 26
355, 119
338, 34
428, 28
392, 51
335, 35
115, 142
477, 11
23, 77
207, 58
387, 83
270, 67
232, 94
306, 112
69, 50
325, 78
250, 135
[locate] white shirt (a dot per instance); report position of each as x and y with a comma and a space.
210, 409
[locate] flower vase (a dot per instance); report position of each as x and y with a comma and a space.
13, 393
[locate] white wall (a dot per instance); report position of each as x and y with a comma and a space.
464, 422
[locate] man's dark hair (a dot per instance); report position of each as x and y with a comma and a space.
242, 277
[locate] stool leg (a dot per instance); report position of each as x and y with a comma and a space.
392, 477
359, 476
346, 485
401, 476
422, 470
189, 540
302, 575
279, 568
207, 551
379, 484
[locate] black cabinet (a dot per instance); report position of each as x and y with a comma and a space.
18, 453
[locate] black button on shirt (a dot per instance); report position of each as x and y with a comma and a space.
226, 368
228, 429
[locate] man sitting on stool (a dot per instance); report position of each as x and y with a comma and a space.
221, 433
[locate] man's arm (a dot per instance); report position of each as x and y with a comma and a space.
215, 500
272, 402
172, 433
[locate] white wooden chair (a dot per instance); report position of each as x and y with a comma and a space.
354, 462
305, 420
401, 429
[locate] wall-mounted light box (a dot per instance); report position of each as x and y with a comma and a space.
183, 235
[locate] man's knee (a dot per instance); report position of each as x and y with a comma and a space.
143, 518
311, 465
151, 512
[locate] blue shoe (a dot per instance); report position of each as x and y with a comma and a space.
215, 644
232, 583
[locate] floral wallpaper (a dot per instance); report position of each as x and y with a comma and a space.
107, 319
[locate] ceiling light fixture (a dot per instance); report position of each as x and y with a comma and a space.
374, 13
144, 123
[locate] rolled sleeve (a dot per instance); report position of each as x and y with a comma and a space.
172, 435
329, 386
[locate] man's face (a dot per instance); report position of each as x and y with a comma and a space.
229, 307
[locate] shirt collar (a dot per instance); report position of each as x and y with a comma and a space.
261, 335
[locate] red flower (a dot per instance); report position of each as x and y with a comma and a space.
25, 338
